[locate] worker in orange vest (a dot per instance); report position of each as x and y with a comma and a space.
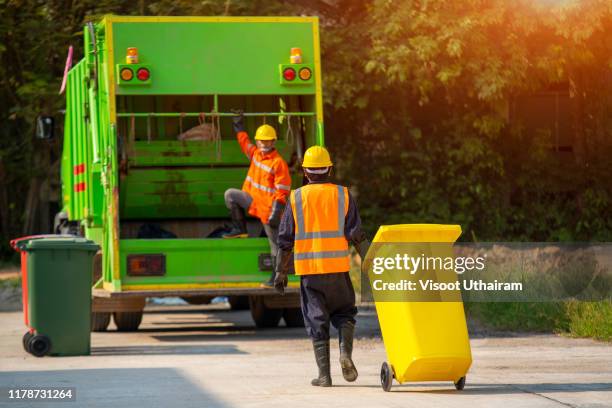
265, 189
318, 224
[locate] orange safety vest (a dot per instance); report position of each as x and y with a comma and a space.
268, 179
319, 212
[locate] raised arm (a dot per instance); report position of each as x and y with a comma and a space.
247, 147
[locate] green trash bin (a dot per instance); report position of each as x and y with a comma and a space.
59, 295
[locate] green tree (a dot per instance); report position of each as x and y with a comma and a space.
418, 90
421, 89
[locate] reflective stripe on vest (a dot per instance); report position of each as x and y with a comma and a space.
318, 252
321, 255
262, 166
259, 186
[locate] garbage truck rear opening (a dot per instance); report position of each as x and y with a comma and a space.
149, 151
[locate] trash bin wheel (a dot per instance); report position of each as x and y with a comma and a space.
460, 384
386, 376
25, 340
127, 321
100, 321
293, 317
262, 315
39, 345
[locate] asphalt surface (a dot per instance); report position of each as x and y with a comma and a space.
198, 357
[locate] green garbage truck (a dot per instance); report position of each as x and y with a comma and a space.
149, 150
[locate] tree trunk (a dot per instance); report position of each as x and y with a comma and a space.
29, 214
4, 208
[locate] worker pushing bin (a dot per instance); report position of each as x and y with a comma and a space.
424, 340
56, 285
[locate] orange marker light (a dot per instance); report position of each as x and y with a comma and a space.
296, 56
305, 74
132, 56
126, 74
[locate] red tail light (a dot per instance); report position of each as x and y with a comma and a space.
289, 74
146, 265
143, 74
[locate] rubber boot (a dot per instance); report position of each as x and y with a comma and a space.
321, 350
239, 229
270, 282
346, 333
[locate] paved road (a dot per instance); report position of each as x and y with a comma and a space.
190, 357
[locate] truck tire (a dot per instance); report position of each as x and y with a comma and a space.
100, 321
127, 321
263, 316
238, 302
293, 317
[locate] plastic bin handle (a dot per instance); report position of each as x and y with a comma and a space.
15, 242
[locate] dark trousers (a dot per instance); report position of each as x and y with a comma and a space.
244, 200
327, 298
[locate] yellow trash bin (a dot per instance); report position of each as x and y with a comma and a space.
424, 341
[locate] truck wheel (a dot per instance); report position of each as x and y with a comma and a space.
100, 321
127, 321
39, 345
293, 317
263, 316
238, 302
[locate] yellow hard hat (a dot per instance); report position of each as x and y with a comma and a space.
317, 156
265, 132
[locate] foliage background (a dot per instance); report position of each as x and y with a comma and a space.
416, 107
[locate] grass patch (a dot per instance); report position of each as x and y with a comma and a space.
12, 283
590, 319
574, 318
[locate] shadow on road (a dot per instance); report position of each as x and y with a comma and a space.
229, 334
165, 350
493, 389
191, 324
119, 387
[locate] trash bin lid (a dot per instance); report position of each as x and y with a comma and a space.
418, 233
19, 244
76, 243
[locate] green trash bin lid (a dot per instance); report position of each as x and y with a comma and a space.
74, 243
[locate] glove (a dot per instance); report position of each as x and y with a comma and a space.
238, 120
276, 214
362, 248
283, 262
